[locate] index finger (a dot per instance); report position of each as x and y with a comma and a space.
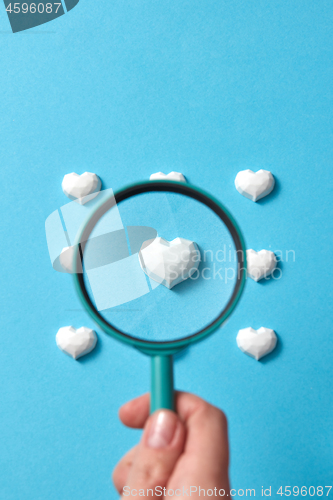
205, 424
189, 407
135, 413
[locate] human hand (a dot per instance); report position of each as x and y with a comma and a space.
180, 451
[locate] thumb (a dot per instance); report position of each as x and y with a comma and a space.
156, 455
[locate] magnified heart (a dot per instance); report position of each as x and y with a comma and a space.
169, 262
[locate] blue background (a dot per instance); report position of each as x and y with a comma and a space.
126, 88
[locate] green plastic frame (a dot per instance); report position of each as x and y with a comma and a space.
162, 393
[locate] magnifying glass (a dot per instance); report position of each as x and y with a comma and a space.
135, 304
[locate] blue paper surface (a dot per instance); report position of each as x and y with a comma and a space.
125, 89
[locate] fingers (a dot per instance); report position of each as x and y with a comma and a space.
206, 448
135, 413
121, 471
155, 457
206, 452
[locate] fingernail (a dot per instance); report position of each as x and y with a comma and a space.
162, 429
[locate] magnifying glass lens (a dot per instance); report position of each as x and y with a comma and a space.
165, 271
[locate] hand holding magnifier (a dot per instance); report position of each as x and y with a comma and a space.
163, 322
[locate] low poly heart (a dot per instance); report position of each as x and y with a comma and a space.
254, 185
169, 262
81, 188
76, 342
256, 343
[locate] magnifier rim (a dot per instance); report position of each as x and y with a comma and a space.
162, 186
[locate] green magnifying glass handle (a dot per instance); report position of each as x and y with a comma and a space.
162, 391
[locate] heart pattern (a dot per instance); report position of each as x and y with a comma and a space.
81, 188
171, 176
76, 343
169, 262
260, 264
256, 343
254, 185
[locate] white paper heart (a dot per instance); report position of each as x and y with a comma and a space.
260, 264
76, 343
171, 176
169, 262
66, 259
254, 185
256, 343
81, 188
